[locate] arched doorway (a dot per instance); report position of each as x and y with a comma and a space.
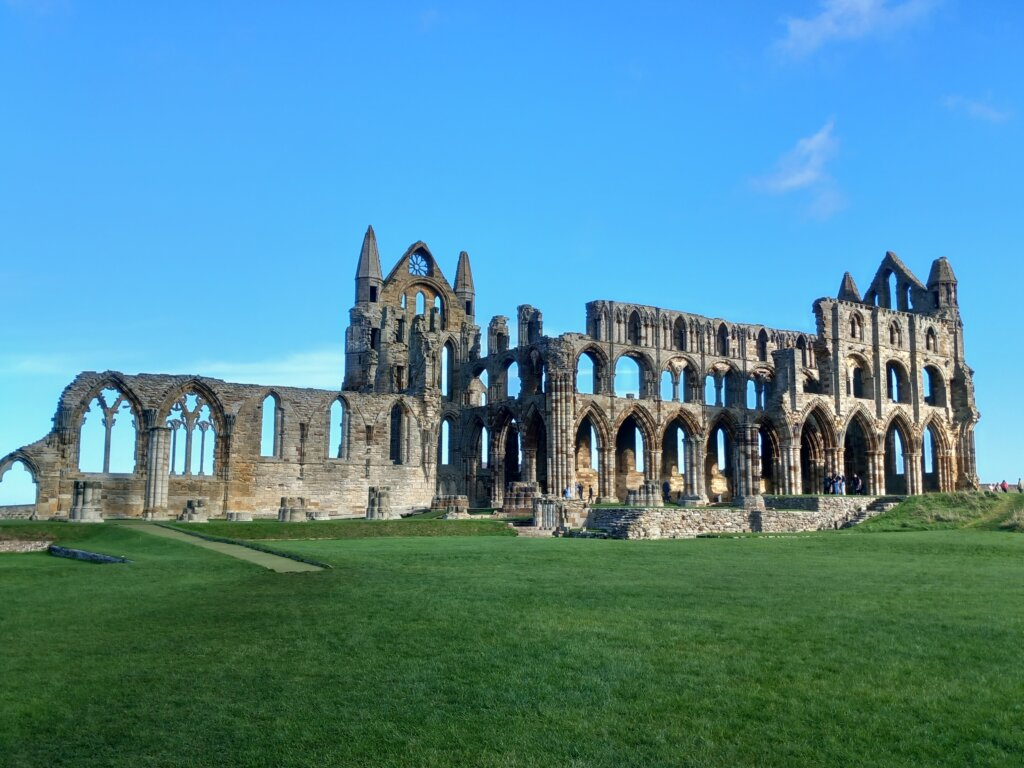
856, 445
897, 445
589, 458
676, 457
931, 477
720, 462
815, 446
630, 456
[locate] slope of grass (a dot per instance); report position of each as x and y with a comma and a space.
946, 511
62, 533
350, 529
819, 650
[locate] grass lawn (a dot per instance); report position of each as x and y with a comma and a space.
260, 530
836, 649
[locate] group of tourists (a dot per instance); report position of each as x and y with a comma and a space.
567, 493
1005, 487
836, 484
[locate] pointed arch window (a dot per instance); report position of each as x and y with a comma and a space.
271, 434
337, 435
193, 435
108, 434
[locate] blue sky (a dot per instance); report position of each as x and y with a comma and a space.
184, 188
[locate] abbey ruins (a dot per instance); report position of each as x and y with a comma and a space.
434, 410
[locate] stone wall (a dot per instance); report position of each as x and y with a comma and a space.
689, 522
835, 505
17, 511
21, 546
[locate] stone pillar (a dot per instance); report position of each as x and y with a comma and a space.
529, 465
796, 485
699, 454
87, 506
912, 467
497, 463
608, 475
876, 473
157, 472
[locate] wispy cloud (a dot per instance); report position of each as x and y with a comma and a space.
803, 168
979, 110
850, 20
322, 369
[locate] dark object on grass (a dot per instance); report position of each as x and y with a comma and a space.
81, 554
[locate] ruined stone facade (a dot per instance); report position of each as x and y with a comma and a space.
721, 410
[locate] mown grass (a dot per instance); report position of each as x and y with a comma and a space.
948, 511
349, 529
818, 650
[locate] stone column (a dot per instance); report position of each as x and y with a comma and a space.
912, 467
608, 476
496, 460
699, 453
157, 471
875, 479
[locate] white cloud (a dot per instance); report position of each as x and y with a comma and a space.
804, 168
979, 110
320, 369
850, 20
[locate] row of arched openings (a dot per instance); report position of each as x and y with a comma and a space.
678, 473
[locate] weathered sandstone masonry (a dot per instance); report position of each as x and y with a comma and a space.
434, 409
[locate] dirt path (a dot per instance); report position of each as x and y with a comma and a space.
265, 559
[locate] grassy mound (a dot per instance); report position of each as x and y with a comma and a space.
61, 533
350, 529
950, 511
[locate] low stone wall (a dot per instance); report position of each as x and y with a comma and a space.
831, 504
17, 511
22, 545
689, 522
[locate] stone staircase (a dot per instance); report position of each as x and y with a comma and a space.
876, 507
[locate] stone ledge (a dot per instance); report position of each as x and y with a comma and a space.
24, 545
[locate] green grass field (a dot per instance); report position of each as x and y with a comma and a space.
838, 649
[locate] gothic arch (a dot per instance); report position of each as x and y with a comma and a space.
107, 380
11, 459
198, 387
598, 419
643, 419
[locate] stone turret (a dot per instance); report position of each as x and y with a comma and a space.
942, 284
464, 285
368, 274
848, 289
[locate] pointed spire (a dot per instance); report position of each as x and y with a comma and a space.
848, 289
464, 284
369, 258
464, 275
942, 272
